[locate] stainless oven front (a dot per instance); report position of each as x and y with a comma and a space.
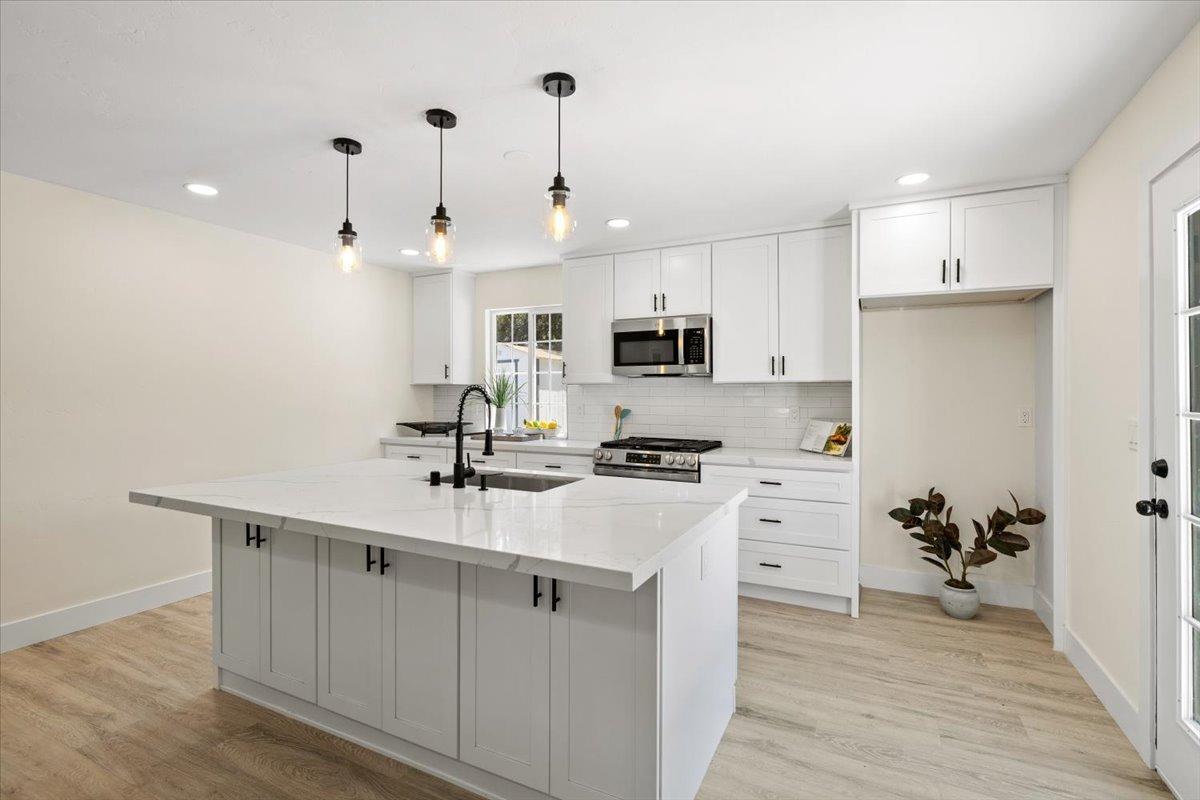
660, 346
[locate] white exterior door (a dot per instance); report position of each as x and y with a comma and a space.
587, 320
1002, 240
504, 724
904, 249
636, 280
236, 620
745, 310
814, 305
686, 287
420, 650
1175, 248
288, 612
349, 628
432, 339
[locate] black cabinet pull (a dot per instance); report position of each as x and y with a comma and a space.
446, 371
536, 594
552, 466
370, 561
775, 521
416, 457
772, 365
774, 566
249, 538
554, 598
258, 537
958, 270
664, 304
943, 270
771, 483
383, 562
783, 365
656, 302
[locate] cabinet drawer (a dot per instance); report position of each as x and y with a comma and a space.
437, 455
784, 484
576, 465
809, 569
494, 460
795, 522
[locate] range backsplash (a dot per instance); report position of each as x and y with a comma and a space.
740, 415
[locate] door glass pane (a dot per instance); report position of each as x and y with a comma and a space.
1194, 362
1193, 259
1195, 572
504, 327
1196, 674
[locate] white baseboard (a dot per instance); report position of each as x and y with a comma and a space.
997, 593
1044, 609
795, 597
1115, 702
31, 630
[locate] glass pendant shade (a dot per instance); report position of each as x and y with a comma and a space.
348, 254
439, 240
559, 223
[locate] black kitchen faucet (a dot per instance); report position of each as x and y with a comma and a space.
463, 471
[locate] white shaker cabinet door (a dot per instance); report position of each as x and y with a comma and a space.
504, 725
432, 337
587, 320
603, 693
349, 627
236, 619
420, 650
814, 305
288, 602
636, 280
904, 249
1002, 240
745, 276
686, 288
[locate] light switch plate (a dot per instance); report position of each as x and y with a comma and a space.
1024, 417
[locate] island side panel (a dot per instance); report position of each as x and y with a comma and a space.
698, 638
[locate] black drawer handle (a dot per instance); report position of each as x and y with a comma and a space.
258, 537
771, 483
383, 562
370, 561
552, 466
249, 538
775, 521
536, 593
774, 566
554, 598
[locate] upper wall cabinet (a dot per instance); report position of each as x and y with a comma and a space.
587, 320
675, 281
746, 310
443, 335
977, 243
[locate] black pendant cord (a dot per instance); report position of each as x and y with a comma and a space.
347, 186
560, 134
441, 162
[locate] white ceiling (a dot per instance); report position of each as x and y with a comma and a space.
690, 119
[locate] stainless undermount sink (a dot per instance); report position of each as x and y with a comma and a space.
520, 483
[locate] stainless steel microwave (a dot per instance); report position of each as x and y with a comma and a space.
659, 346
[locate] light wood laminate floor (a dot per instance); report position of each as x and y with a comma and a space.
903, 702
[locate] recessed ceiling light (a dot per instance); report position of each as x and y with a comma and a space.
518, 155
618, 222
408, 251
202, 189
913, 179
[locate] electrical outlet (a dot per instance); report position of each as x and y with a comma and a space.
794, 415
1024, 417
1133, 435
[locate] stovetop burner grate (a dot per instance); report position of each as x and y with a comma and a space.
663, 444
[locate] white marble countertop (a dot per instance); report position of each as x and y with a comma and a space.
729, 456
609, 532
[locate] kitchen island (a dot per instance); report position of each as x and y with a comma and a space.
574, 642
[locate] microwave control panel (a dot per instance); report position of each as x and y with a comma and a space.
693, 345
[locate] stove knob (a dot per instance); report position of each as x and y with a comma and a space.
670, 458
599, 454
691, 461
608, 455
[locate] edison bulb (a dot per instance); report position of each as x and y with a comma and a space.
440, 242
559, 224
348, 254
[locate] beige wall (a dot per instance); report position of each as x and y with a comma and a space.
1104, 364
532, 286
940, 392
139, 348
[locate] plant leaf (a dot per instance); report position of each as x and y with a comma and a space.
937, 502
1030, 516
937, 564
920, 536
916, 505
900, 514
933, 527
1002, 518
977, 558
913, 522
1014, 540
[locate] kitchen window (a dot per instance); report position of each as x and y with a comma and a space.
527, 342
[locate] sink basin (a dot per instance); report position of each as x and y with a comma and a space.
521, 483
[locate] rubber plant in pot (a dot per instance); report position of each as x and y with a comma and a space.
942, 540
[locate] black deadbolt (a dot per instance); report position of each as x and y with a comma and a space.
1158, 468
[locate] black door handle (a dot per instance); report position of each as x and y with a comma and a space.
446, 371
536, 594
656, 302
258, 537
552, 466
783, 365
1158, 468
249, 538
383, 562
773, 566
416, 457
772, 365
664, 298
943, 270
765, 519
370, 561
554, 598
958, 270
1148, 508
771, 483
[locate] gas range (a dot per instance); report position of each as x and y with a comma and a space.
652, 457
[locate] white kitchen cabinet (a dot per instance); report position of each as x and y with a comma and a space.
814, 305
904, 249
349, 628
571, 464
236, 622
443, 343
420, 650
587, 320
432, 454
288, 612
745, 276
504, 723
808, 569
636, 281
1002, 240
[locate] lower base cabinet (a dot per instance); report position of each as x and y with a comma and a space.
349, 630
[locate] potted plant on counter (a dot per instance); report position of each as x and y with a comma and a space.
504, 388
942, 541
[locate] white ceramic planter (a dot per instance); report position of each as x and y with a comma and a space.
959, 603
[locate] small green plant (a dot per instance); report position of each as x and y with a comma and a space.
503, 388
941, 539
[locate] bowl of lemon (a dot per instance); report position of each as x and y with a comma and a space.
546, 427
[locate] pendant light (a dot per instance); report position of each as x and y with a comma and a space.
440, 234
559, 223
349, 249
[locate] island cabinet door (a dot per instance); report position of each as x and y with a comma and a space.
236, 599
504, 723
288, 619
603, 692
349, 627
420, 650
